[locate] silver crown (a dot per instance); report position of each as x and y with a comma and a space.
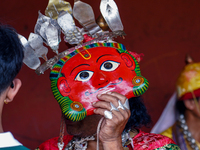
59, 17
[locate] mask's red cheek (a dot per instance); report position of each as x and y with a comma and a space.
63, 86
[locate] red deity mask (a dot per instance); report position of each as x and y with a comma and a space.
94, 69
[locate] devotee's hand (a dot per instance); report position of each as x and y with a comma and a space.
111, 129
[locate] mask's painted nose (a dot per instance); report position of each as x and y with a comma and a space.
101, 79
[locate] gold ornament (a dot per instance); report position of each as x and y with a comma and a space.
102, 23
5, 101
76, 106
55, 7
137, 81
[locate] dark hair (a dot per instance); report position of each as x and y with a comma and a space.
139, 115
180, 106
11, 56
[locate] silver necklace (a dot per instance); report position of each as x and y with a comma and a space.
186, 132
79, 143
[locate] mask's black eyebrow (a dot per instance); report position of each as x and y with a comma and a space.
79, 66
102, 56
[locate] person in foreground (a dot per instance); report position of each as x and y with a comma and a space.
97, 88
96, 81
183, 124
11, 56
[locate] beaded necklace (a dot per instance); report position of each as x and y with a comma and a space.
187, 135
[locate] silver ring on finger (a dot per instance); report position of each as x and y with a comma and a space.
126, 104
108, 114
113, 107
120, 105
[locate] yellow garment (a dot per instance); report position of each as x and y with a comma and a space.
168, 133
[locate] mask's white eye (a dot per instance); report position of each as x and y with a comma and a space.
109, 65
84, 75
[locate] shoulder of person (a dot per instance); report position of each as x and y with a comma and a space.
20, 147
151, 141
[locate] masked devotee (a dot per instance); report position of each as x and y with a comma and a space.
181, 117
83, 93
11, 56
96, 83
